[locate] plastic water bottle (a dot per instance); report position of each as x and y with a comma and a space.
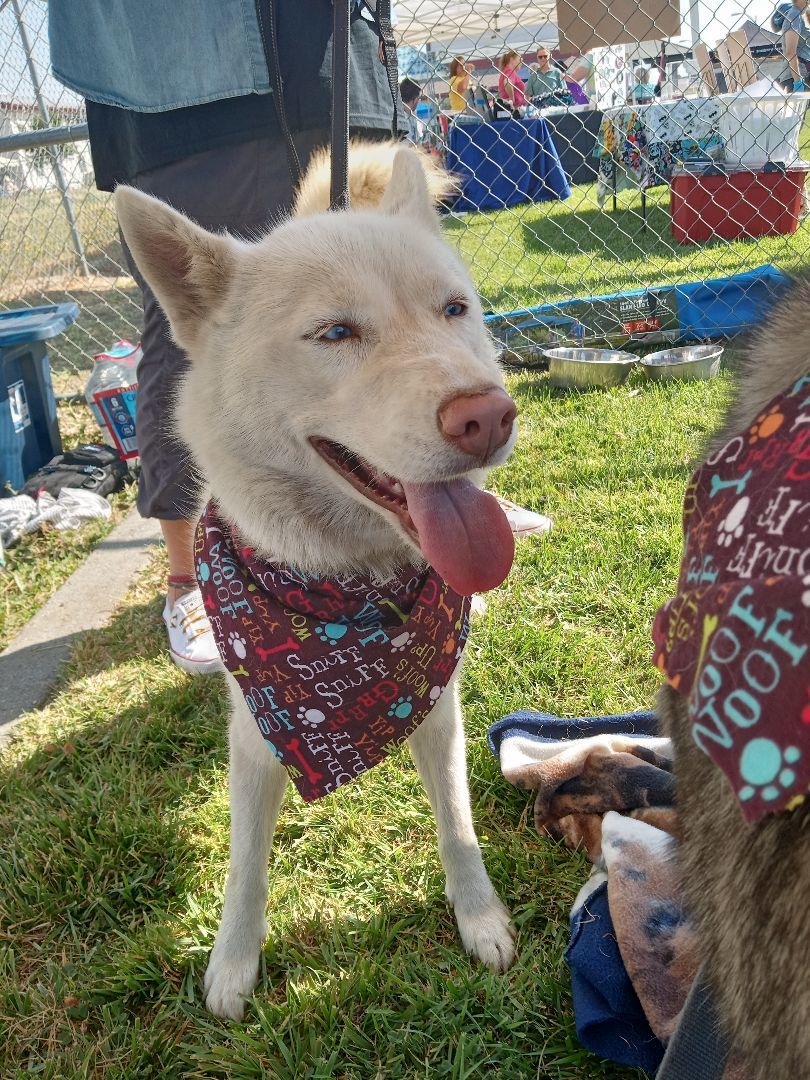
112, 370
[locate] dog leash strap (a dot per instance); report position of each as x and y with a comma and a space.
698, 1047
341, 27
269, 35
389, 49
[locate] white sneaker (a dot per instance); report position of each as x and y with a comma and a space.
524, 522
191, 640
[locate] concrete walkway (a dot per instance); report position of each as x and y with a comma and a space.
30, 664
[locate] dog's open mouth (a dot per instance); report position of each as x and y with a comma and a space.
375, 485
460, 529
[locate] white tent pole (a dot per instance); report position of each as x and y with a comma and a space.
694, 21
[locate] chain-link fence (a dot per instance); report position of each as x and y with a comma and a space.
603, 149
58, 235
609, 152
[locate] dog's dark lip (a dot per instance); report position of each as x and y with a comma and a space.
376, 486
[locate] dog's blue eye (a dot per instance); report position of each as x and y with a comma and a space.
338, 332
455, 308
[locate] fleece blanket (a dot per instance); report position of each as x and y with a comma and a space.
605, 784
580, 769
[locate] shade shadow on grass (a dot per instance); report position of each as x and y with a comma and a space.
531, 254
113, 830
124, 879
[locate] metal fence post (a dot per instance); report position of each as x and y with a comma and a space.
53, 153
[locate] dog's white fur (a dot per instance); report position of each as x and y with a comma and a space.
259, 384
369, 176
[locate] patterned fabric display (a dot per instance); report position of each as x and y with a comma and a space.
736, 639
337, 672
643, 144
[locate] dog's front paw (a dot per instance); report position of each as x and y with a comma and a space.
487, 933
231, 977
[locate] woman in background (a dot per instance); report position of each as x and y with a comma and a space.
459, 84
511, 88
577, 77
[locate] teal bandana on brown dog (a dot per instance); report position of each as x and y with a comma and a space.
735, 640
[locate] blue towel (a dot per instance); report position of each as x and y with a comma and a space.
727, 306
581, 771
695, 311
610, 1021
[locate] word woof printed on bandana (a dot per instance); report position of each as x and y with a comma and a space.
736, 638
336, 672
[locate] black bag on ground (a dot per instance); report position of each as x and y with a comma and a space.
92, 466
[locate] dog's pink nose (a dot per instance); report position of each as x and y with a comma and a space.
478, 424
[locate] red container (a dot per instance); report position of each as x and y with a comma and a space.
736, 203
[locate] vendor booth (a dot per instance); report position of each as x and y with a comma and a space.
742, 122
750, 134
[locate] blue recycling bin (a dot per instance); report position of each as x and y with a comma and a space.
29, 430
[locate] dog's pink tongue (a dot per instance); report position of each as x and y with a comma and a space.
463, 533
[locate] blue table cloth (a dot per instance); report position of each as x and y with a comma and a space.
505, 163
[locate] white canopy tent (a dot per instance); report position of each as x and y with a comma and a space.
488, 26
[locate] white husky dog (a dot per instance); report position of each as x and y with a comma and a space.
342, 402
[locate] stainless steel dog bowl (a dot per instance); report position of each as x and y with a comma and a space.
582, 368
693, 362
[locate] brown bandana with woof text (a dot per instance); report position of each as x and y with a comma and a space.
735, 641
337, 672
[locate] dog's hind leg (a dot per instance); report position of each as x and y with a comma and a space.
257, 784
437, 747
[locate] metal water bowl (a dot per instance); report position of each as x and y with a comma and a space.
693, 362
584, 368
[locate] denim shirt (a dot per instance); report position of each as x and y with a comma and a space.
159, 55
198, 51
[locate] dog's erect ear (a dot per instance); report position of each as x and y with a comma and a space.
408, 193
187, 268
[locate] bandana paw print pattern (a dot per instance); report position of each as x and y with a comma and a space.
336, 672
735, 640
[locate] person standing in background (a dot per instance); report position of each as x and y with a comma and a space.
411, 92
179, 105
796, 43
460, 80
642, 93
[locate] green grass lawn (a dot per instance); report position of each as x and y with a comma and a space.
557, 250
114, 813
521, 256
